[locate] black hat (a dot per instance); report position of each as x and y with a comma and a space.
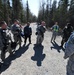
2, 22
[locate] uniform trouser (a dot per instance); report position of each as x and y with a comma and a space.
17, 39
53, 36
27, 37
40, 39
9, 49
3, 51
63, 41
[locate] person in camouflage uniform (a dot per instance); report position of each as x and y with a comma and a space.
16, 30
40, 33
5, 40
69, 53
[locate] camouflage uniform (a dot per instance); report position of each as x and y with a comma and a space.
5, 42
40, 34
16, 30
69, 53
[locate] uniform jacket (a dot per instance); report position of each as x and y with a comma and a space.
5, 37
41, 30
27, 31
16, 29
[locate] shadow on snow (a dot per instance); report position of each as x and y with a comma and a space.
17, 54
38, 56
57, 47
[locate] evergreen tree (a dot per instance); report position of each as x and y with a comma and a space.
1, 11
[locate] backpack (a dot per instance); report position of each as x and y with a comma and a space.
42, 29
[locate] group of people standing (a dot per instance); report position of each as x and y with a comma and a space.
68, 43
66, 32
11, 36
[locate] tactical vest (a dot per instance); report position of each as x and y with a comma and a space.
4, 36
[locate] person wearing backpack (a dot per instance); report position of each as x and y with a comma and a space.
55, 30
40, 33
27, 33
